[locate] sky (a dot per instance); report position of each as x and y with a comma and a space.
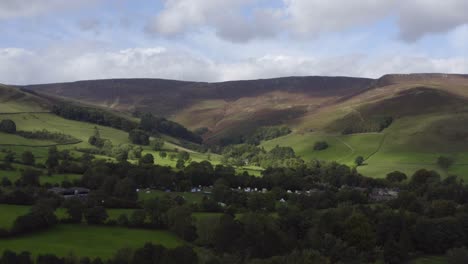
44, 41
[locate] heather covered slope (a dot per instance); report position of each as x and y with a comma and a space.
227, 109
396, 122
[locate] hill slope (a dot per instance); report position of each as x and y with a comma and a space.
427, 113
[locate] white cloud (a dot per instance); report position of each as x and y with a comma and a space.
26, 8
19, 66
306, 18
225, 17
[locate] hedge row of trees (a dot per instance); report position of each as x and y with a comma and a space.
147, 254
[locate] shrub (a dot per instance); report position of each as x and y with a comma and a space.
8, 126
320, 145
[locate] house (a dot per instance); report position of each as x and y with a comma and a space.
73, 192
383, 194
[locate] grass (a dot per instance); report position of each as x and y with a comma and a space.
90, 241
430, 260
409, 144
9, 213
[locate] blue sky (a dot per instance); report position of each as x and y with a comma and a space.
214, 40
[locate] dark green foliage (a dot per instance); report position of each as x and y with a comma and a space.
180, 164
93, 115
27, 158
152, 124
96, 215
125, 189
267, 133
138, 137
359, 160
445, 162
10, 257
44, 134
457, 256
7, 126
396, 176
10, 157
41, 216
423, 177
147, 159
355, 123
158, 144
75, 210
30, 177
181, 222
53, 158
320, 145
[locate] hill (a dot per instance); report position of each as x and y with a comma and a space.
223, 108
396, 122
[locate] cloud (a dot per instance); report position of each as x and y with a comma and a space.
20, 66
26, 8
306, 18
421, 17
92, 25
227, 18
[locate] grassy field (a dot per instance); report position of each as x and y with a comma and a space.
430, 260
91, 241
410, 144
9, 213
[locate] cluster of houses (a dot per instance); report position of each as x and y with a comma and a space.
73, 192
377, 194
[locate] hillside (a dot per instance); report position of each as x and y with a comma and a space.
404, 121
227, 107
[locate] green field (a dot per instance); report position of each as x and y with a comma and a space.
430, 260
410, 144
8, 214
91, 241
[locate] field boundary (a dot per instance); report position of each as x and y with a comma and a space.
42, 146
21, 113
378, 147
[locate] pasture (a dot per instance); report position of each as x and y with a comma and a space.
90, 241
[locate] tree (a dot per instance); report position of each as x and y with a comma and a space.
163, 154
96, 215
137, 218
126, 189
396, 176
359, 160
53, 158
158, 144
445, 162
320, 145
147, 159
457, 256
138, 137
30, 177
181, 222
75, 210
9, 157
28, 158
180, 164
184, 155
7, 126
